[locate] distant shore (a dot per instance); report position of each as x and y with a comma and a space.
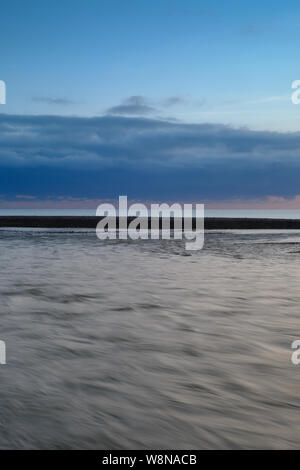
211, 223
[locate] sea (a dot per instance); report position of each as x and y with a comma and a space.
122, 344
234, 213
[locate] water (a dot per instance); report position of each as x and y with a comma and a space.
144, 345
235, 213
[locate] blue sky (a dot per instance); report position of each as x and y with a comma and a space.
145, 85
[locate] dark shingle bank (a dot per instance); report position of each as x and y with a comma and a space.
91, 222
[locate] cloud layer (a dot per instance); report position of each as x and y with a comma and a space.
110, 155
53, 100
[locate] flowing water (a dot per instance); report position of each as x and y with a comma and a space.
145, 345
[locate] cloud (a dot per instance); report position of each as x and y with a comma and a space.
68, 202
182, 100
110, 140
53, 100
25, 196
140, 106
134, 105
174, 100
144, 158
269, 99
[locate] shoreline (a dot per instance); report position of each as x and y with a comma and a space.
210, 223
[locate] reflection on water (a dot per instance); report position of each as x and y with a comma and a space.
144, 345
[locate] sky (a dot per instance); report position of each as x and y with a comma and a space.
182, 100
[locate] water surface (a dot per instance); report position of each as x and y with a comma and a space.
144, 345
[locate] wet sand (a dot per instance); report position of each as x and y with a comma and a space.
91, 222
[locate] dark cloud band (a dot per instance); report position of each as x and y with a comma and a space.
149, 157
